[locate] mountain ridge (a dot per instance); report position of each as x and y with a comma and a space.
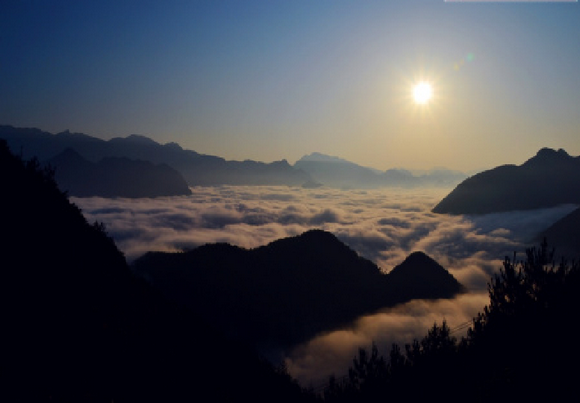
337, 172
115, 177
197, 169
300, 286
422, 270
548, 179
208, 170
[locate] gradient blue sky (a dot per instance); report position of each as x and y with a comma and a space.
270, 80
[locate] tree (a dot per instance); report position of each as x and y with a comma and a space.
515, 339
367, 369
522, 346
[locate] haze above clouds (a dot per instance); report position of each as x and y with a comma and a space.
383, 225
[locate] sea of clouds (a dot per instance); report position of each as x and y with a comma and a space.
383, 225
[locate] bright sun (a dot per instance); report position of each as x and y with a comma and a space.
422, 92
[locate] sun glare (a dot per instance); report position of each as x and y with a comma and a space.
422, 92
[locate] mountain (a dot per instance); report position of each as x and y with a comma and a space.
287, 291
427, 277
565, 235
206, 170
197, 169
78, 325
319, 157
337, 172
442, 177
548, 179
115, 177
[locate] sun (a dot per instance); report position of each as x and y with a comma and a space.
422, 92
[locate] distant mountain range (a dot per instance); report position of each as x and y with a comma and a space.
548, 179
115, 177
337, 172
197, 169
291, 289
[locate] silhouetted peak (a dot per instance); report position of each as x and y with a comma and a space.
218, 248
399, 173
424, 272
547, 156
418, 257
319, 157
418, 263
136, 139
281, 164
173, 146
315, 238
549, 152
140, 139
548, 179
318, 235
315, 244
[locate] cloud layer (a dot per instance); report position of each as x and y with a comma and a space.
384, 225
332, 353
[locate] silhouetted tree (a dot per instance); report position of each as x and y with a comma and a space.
533, 304
367, 368
425, 362
520, 348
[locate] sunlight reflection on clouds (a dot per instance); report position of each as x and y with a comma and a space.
331, 353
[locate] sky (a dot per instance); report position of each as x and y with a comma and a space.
272, 80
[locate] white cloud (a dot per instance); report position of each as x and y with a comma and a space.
384, 225
332, 353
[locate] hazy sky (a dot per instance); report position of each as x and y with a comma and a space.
270, 80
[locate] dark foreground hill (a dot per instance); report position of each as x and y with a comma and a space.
115, 177
565, 233
197, 169
289, 290
548, 179
77, 325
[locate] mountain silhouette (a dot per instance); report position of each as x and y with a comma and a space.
338, 172
564, 234
197, 169
287, 291
423, 276
115, 177
78, 325
548, 179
